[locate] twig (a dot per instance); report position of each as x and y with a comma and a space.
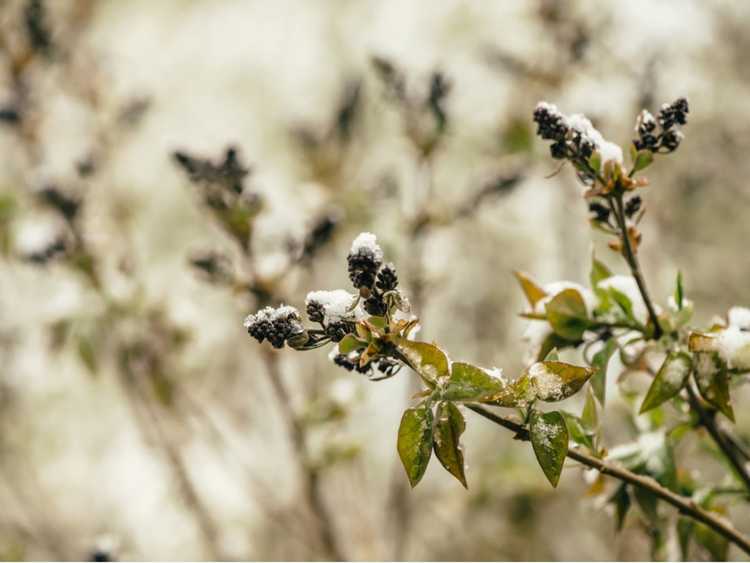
707, 418
311, 477
685, 505
708, 421
632, 260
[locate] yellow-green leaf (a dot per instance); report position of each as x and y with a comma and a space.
350, 343
567, 315
448, 428
668, 381
415, 441
549, 438
555, 381
599, 363
531, 289
471, 383
712, 378
429, 361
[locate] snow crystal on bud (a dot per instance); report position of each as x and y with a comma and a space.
265, 314
549, 108
284, 311
337, 304
733, 345
548, 385
628, 287
739, 317
367, 241
607, 150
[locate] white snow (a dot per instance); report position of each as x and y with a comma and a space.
271, 314
337, 305
535, 334
548, 385
369, 242
607, 150
733, 345
739, 317
628, 286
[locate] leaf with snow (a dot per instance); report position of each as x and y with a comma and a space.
471, 383
712, 378
599, 363
567, 314
555, 381
415, 441
669, 380
429, 361
531, 289
447, 431
549, 438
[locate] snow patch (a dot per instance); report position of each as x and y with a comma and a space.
369, 243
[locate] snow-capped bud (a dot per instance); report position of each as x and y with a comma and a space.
364, 260
674, 113
275, 325
551, 124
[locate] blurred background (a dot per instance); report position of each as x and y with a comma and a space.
168, 167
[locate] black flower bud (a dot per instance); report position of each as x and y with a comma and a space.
633, 205
387, 278
275, 325
315, 311
600, 212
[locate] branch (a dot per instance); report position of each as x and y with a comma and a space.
312, 485
708, 421
685, 505
632, 260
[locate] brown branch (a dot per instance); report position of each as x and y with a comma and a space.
708, 421
632, 260
685, 505
311, 478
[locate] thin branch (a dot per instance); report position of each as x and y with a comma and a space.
311, 477
632, 260
708, 421
685, 505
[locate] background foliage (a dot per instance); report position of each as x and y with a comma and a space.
137, 417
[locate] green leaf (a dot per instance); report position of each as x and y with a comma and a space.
550, 343
648, 503
622, 301
621, 500
684, 533
712, 378
716, 545
643, 159
670, 379
599, 363
552, 356
428, 360
470, 383
678, 292
415, 441
549, 438
590, 416
350, 343
577, 432
555, 381
599, 272
595, 161
449, 425
567, 315
530, 288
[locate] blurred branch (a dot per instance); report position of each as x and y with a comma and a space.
686, 506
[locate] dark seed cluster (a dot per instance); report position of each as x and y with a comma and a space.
662, 134
275, 325
600, 212
633, 206
222, 182
363, 267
